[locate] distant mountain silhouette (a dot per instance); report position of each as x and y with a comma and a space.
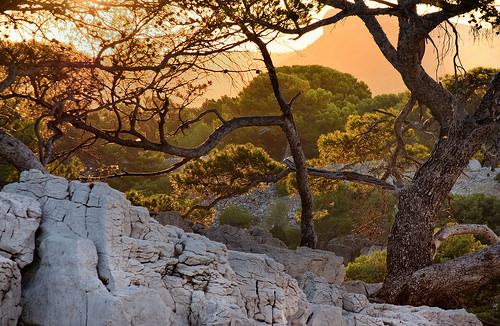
349, 47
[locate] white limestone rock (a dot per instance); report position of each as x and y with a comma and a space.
297, 262
386, 314
367, 289
109, 263
19, 220
10, 292
103, 262
271, 296
325, 315
318, 291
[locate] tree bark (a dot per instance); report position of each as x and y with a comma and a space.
437, 285
16, 153
453, 230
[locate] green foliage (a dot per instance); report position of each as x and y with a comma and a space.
327, 98
235, 216
471, 86
485, 301
276, 221
369, 137
164, 202
369, 269
457, 246
281, 188
71, 170
276, 216
343, 209
226, 172
473, 209
497, 178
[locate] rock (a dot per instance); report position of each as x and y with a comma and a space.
10, 292
325, 315
318, 291
296, 262
271, 296
367, 289
109, 263
241, 239
101, 261
173, 218
385, 314
349, 247
474, 165
19, 220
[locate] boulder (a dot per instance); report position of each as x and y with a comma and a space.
19, 220
10, 292
296, 262
240, 239
367, 289
108, 263
385, 314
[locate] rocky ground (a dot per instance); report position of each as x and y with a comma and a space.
101, 261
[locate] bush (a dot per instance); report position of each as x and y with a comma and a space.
457, 246
369, 269
473, 209
235, 216
281, 188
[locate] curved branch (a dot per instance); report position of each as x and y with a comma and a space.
212, 141
453, 230
18, 154
438, 284
349, 176
11, 77
168, 170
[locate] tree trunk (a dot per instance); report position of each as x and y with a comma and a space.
437, 285
16, 153
410, 243
308, 234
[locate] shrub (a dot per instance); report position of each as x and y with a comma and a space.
292, 238
457, 246
236, 216
281, 188
473, 209
369, 269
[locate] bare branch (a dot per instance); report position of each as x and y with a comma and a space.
170, 169
212, 141
11, 77
349, 176
453, 230
433, 284
16, 153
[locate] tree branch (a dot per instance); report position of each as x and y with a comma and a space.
438, 284
349, 176
250, 185
453, 230
18, 154
212, 141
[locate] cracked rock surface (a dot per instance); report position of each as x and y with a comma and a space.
101, 261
